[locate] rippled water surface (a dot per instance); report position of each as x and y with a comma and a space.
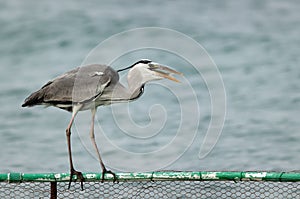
255, 45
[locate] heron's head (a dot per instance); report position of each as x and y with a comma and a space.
148, 71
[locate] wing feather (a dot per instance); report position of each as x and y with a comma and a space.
79, 85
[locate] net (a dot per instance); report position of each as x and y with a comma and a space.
155, 185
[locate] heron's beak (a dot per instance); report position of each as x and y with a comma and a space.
165, 72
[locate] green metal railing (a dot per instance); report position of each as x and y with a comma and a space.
54, 178
160, 175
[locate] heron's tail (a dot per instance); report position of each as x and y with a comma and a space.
35, 98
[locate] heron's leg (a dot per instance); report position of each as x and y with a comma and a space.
79, 175
92, 135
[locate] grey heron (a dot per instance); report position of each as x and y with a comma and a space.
87, 87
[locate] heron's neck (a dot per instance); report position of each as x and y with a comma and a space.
136, 92
135, 86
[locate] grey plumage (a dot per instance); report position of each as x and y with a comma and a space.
80, 85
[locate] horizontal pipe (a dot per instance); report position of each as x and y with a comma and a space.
159, 175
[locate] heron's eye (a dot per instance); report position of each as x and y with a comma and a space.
152, 66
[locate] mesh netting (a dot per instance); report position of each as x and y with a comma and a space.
155, 189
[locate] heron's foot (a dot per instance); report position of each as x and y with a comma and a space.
104, 171
79, 176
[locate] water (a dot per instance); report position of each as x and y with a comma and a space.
255, 45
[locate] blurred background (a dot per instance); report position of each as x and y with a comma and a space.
254, 43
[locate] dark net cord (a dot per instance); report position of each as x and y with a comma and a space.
161, 184
154, 189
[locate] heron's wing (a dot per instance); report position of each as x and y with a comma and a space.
81, 85
76, 86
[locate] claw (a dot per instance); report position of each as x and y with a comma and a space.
110, 172
79, 176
